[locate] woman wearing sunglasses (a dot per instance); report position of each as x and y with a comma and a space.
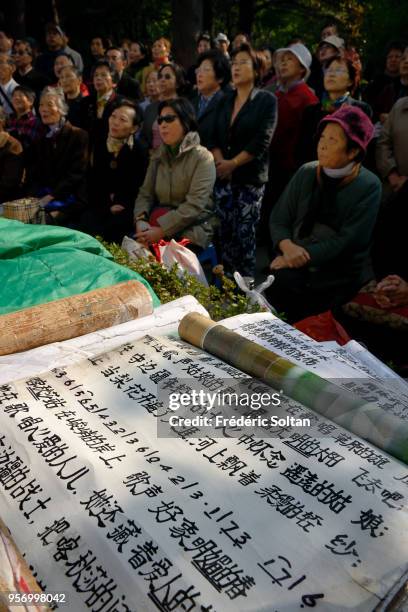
175, 200
171, 83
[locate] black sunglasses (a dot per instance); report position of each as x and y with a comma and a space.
164, 76
166, 119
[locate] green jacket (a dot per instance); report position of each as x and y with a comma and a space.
339, 241
185, 184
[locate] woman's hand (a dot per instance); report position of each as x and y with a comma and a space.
396, 180
45, 200
391, 292
149, 235
225, 167
116, 209
294, 255
278, 263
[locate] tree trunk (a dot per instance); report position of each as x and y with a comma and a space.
187, 23
16, 18
246, 15
208, 15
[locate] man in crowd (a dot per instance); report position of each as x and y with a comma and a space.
26, 74
7, 83
222, 43
127, 86
389, 76
56, 41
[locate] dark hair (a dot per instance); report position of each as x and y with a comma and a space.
353, 72
178, 73
73, 69
220, 64
247, 36
204, 36
105, 64
125, 102
26, 91
398, 45
330, 23
113, 48
143, 48
267, 47
245, 48
27, 45
184, 111
65, 54
106, 43
294, 40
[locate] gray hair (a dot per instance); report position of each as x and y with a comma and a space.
58, 95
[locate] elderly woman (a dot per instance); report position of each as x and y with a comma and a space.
117, 173
11, 163
322, 225
171, 84
70, 82
175, 200
58, 171
341, 78
243, 131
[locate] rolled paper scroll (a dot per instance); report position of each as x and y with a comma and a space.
367, 420
73, 316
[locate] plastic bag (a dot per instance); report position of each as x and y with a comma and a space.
323, 327
169, 253
255, 295
135, 249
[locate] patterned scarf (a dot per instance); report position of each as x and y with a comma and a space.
101, 103
115, 145
329, 106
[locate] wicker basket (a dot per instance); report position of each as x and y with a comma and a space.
26, 210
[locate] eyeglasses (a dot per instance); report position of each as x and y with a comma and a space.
21, 53
241, 63
165, 76
166, 119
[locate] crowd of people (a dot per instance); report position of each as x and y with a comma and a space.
248, 146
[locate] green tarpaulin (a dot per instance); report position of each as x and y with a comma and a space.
41, 263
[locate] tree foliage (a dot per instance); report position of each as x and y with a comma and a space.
365, 24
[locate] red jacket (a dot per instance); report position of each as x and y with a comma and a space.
291, 105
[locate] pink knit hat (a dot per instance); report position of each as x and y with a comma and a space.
355, 123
